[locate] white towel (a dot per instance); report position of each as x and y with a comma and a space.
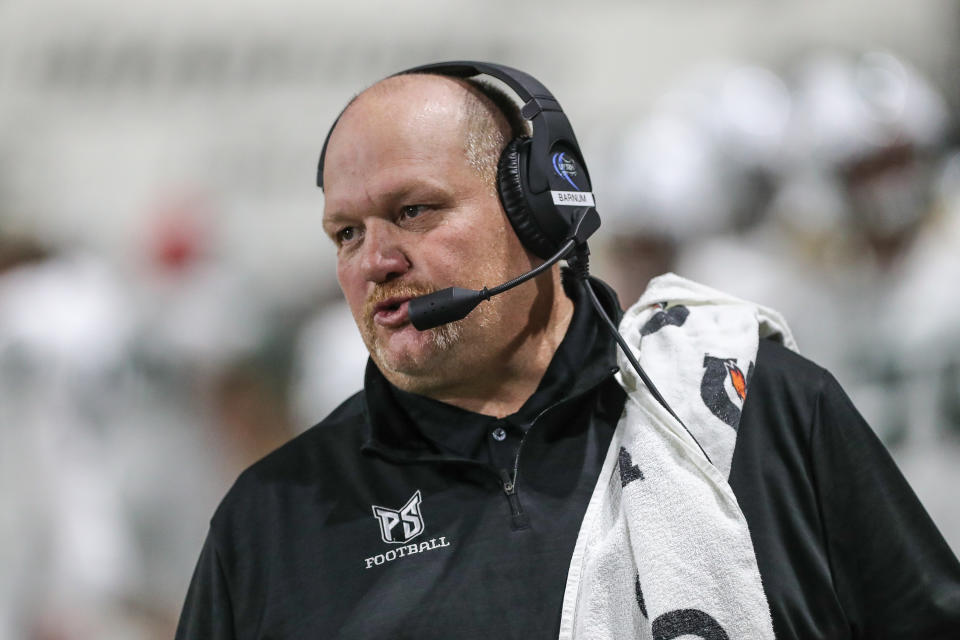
664, 551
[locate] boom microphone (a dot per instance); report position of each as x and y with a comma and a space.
454, 303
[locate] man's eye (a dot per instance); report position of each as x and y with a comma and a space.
412, 211
346, 235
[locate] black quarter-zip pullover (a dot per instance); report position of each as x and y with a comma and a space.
402, 517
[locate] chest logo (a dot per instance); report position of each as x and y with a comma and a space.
398, 526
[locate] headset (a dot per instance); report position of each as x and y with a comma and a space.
545, 190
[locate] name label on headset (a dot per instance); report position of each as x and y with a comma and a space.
573, 198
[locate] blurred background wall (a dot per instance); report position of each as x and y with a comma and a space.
168, 307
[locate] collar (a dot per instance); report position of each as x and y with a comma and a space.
408, 427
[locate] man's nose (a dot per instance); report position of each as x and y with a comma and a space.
383, 256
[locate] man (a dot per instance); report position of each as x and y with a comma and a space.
445, 500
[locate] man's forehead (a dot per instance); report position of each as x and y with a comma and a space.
400, 121
411, 94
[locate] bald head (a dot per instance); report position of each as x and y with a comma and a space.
481, 116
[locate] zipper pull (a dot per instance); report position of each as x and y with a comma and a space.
508, 485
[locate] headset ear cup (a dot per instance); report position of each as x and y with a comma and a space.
514, 199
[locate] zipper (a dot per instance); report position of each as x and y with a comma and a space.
516, 459
518, 518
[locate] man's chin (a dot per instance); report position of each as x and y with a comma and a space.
409, 352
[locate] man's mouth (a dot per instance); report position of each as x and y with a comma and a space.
392, 312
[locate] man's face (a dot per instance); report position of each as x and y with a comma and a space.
410, 215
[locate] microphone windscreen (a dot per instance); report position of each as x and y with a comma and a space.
441, 307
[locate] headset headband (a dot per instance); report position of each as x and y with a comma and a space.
549, 123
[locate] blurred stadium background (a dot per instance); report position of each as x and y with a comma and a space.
168, 307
